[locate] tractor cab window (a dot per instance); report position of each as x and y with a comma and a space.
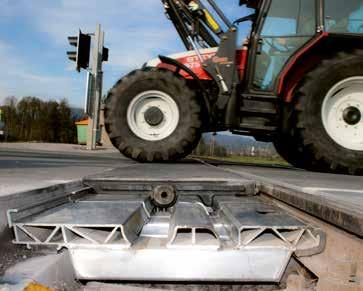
344, 16
289, 25
290, 18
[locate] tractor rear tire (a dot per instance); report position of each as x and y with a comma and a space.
151, 115
285, 146
285, 141
328, 115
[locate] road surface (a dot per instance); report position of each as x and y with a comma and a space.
23, 169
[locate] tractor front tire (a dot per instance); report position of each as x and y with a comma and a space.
151, 115
328, 115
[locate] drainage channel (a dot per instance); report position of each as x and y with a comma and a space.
121, 226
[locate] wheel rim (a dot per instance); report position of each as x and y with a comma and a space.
153, 115
342, 113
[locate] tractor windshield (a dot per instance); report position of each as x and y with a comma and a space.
344, 16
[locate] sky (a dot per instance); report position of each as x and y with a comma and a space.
33, 42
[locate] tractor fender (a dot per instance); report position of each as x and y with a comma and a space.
178, 67
319, 48
191, 60
301, 63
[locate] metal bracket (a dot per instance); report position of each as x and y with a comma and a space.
222, 67
8, 215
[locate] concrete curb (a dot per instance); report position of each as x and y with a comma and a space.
318, 206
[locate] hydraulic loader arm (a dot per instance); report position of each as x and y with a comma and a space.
195, 23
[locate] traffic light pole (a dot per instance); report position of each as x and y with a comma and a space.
96, 89
95, 76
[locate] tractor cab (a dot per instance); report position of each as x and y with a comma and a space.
296, 81
285, 27
280, 30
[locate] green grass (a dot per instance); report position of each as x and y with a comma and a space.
252, 160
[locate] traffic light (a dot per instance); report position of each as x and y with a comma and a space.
83, 44
105, 54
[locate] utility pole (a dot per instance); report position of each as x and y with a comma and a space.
212, 145
96, 80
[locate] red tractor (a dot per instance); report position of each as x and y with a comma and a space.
296, 81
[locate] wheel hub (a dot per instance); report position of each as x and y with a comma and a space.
154, 116
342, 112
352, 115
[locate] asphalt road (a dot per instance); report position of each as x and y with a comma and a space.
22, 170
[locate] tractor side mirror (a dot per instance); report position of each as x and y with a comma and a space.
251, 17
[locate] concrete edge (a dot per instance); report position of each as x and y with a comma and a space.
53, 271
317, 206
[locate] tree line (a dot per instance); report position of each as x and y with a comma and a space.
33, 119
212, 147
